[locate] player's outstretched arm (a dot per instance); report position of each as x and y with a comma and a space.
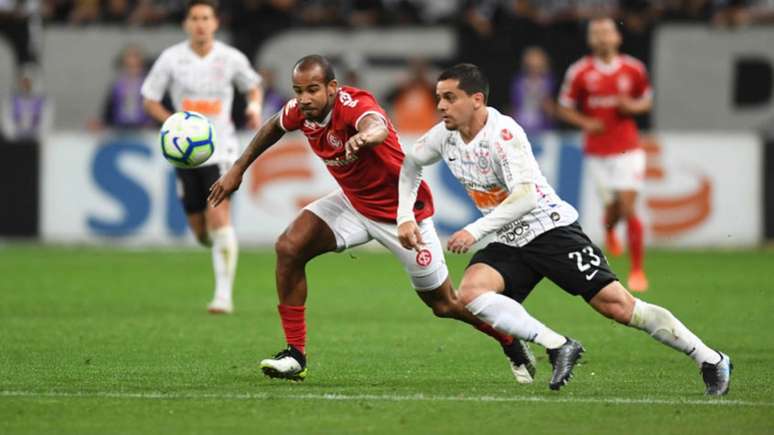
371, 130
421, 154
267, 136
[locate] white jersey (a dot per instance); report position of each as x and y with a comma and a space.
490, 167
204, 85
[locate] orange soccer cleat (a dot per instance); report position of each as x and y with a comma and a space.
638, 282
612, 244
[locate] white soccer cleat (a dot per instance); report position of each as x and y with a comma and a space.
521, 360
220, 306
290, 363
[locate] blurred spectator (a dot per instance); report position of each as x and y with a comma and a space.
697, 11
273, 99
116, 11
27, 113
152, 12
532, 93
363, 13
254, 21
17, 25
123, 104
85, 12
413, 100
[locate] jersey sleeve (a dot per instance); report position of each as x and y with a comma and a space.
157, 80
245, 77
291, 117
571, 90
354, 105
642, 86
426, 151
513, 157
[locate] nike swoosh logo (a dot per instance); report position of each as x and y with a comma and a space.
452, 159
591, 275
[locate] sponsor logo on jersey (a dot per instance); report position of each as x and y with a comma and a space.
506, 134
347, 100
424, 258
209, 107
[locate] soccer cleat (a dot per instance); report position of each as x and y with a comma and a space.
522, 361
563, 360
288, 364
612, 244
220, 306
637, 281
717, 377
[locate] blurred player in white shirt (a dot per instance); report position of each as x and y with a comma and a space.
199, 74
536, 234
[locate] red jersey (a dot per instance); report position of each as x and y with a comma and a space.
369, 178
593, 87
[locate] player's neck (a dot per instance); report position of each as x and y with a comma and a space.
607, 58
202, 48
469, 131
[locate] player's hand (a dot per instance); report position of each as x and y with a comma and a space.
460, 242
409, 236
593, 126
253, 116
225, 186
354, 144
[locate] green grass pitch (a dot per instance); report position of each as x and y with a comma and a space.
96, 341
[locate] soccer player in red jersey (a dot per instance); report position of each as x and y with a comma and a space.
601, 94
351, 133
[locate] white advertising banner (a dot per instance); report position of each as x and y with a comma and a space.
702, 190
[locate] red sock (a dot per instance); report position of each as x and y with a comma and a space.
634, 229
504, 339
294, 325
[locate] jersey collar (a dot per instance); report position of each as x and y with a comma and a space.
607, 68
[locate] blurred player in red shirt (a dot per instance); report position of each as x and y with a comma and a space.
601, 94
351, 133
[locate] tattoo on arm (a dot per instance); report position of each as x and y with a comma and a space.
266, 136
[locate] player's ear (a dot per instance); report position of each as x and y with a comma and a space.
332, 85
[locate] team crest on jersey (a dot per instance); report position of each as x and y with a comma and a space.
506, 134
482, 161
424, 258
624, 84
334, 140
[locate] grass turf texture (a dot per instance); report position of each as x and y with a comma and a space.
111, 341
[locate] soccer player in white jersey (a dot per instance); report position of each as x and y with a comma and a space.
536, 232
199, 74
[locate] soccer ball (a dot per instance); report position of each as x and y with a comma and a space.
187, 139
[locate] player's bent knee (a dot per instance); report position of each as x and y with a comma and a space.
468, 294
287, 249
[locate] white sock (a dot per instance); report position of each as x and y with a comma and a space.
508, 316
225, 251
664, 327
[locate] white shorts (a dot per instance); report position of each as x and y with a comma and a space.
617, 173
426, 268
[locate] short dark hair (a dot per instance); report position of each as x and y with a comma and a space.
471, 79
313, 60
214, 4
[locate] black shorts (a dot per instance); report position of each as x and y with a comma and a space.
565, 255
194, 186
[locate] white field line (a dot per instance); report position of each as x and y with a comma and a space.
157, 395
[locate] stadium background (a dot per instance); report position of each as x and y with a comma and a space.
82, 176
